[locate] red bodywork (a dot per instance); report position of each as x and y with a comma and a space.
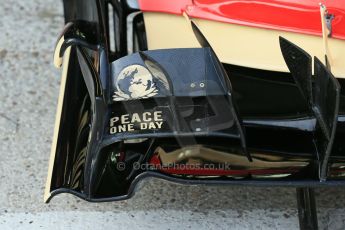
300, 16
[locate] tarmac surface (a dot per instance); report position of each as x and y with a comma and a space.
29, 86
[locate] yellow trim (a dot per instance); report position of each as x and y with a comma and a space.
57, 58
239, 45
57, 122
325, 33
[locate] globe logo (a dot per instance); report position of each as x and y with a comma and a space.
134, 82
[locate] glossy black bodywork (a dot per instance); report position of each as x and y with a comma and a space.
239, 110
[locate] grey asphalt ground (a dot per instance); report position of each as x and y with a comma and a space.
29, 87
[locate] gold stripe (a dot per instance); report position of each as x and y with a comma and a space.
57, 58
325, 33
239, 45
57, 122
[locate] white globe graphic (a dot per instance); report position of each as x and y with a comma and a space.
134, 82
